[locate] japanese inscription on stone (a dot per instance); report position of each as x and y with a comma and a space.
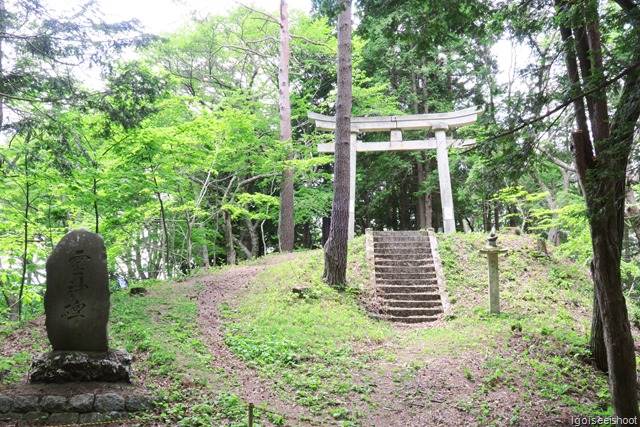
77, 296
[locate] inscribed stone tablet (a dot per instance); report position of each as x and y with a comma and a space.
76, 301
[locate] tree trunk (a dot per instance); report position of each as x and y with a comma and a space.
466, 226
138, 261
554, 234
601, 158
598, 348
421, 219
393, 208
12, 303
3, 29
513, 222
335, 251
156, 254
25, 250
228, 232
173, 254
326, 227
307, 237
27, 208
566, 179
10, 300
615, 319
204, 250
286, 225
424, 209
405, 213
255, 238
163, 220
96, 213
428, 210
130, 272
247, 252
486, 215
189, 225
414, 89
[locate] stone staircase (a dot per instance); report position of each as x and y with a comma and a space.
405, 276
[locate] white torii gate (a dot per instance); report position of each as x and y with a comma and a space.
439, 123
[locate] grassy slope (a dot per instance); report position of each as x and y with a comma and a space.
535, 351
326, 354
309, 347
539, 342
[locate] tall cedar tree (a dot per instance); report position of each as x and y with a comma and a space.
286, 225
601, 148
335, 250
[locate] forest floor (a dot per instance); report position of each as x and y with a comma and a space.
210, 345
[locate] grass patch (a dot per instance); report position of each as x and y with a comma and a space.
540, 341
308, 345
172, 359
20, 341
161, 328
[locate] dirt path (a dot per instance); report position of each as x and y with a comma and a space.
438, 393
224, 286
399, 403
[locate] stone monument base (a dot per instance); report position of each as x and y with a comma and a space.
81, 366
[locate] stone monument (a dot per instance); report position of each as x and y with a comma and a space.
77, 306
76, 302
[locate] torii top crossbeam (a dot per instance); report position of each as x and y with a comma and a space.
410, 122
439, 123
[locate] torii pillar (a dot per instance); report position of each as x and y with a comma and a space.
444, 177
438, 123
352, 182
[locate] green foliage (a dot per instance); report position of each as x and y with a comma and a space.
133, 94
578, 244
171, 141
426, 63
526, 203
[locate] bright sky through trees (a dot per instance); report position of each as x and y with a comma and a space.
166, 15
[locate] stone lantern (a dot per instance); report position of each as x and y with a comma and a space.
492, 251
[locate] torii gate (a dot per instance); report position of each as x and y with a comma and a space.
439, 123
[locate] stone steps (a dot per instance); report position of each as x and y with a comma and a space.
408, 253
408, 289
399, 313
401, 275
406, 279
416, 296
410, 285
405, 303
395, 236
383, 263
402, 245
411, 319
411, 259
